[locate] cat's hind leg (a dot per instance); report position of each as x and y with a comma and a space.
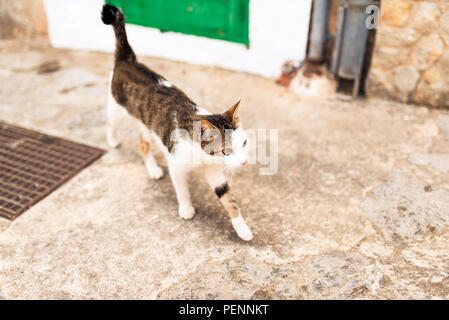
217, 181
114, 113
154, 171
111, 135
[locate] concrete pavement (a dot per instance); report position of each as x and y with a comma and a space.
358, 209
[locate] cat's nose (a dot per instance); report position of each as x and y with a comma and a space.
244, 163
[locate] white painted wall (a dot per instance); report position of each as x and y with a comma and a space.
278, 32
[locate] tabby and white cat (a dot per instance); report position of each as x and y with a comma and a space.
162, 109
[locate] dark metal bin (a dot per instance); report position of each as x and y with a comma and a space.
351, 38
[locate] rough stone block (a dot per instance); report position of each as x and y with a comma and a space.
388, 57
378, 84
395, 13
22, 19
433, 89
394, 37
425, 17
405, 80
427, 51
444, 27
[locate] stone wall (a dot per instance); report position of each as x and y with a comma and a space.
411, 55
22, 19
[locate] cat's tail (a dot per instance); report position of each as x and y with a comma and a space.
114, 16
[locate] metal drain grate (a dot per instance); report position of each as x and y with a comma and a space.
33, 164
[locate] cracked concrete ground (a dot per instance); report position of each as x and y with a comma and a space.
358, 209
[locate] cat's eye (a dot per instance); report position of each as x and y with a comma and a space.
244, 143
227, 151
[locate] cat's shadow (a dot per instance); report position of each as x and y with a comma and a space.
211, 217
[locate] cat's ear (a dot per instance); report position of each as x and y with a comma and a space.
232, 114
205, 131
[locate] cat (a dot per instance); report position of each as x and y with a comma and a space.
162, 110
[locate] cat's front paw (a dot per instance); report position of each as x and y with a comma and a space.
112, 140
243, 231
245, 234
186, 211
114, 144
155, 172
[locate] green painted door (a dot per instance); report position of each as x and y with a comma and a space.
218, 19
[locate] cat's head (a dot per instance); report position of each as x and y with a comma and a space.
223, 138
